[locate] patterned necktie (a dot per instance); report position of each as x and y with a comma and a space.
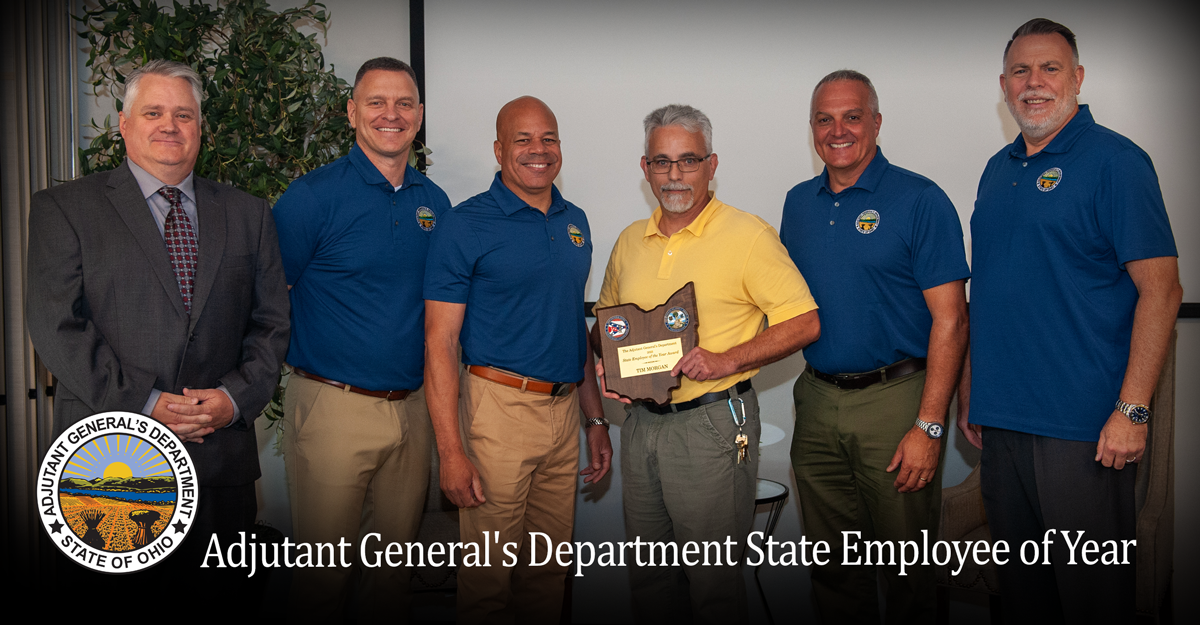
181, 245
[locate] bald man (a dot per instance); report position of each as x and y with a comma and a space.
505, 281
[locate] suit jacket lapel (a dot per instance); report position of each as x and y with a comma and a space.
126, 197
211, 214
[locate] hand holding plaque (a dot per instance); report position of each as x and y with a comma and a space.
639, 347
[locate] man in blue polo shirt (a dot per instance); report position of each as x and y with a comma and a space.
356, 442
505, 281
882, 250
1075, 293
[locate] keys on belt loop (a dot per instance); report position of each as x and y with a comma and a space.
742, 441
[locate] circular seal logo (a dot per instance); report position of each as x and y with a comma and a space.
676, 319
617, 327
426, 219
867, 221
1049, 179
117, 492
576, 235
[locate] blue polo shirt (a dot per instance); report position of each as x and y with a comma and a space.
1051, 302
867, 254
521, 274
354, 252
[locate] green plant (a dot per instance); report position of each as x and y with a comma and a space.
272, 110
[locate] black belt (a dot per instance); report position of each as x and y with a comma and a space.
855, 381
708, 398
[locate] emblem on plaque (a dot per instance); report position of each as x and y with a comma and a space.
676, 319
646, 345
617, 328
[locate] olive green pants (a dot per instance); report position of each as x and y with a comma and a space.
682, 483
843, 443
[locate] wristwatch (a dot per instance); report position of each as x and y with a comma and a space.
598, 421
932, 430
1138, 413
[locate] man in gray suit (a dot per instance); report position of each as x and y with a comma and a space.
154, 291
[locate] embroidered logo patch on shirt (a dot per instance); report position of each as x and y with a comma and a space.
1049, 179
867, 221
617, 328
426, 218
576, 235
676, 319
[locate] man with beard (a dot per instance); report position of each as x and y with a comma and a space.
1075, 293
506, 276
883, 250
686, 473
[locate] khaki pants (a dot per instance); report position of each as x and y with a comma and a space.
843, 443
355, 465
526, 448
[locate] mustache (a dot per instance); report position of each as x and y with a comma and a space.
1033, 94
548, 159
675, 186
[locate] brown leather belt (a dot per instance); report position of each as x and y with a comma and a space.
856, 381
518, 382
388, 395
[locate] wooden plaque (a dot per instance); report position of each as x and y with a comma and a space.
640, 347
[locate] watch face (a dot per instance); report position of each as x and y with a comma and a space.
934, 431
1139, 414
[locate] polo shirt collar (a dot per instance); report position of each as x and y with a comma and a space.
509, 203
149, 185
371, 174
868, 180
706, 215
1066, 137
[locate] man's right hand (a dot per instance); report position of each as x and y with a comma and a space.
603, 388
460, 481
189, 428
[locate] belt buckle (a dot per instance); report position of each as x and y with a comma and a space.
557, 388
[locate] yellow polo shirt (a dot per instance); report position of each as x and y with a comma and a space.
743, 275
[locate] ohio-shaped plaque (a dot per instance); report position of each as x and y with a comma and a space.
640, 347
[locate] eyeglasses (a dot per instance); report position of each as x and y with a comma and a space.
687, 165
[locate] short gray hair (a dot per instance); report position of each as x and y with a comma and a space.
1042, 26
691, 119
848, 74
161, 67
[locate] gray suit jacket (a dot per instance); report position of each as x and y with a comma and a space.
105, 313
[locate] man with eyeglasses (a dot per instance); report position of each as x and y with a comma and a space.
883, 250
685, 476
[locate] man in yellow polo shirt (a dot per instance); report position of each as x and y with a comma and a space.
682, 476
